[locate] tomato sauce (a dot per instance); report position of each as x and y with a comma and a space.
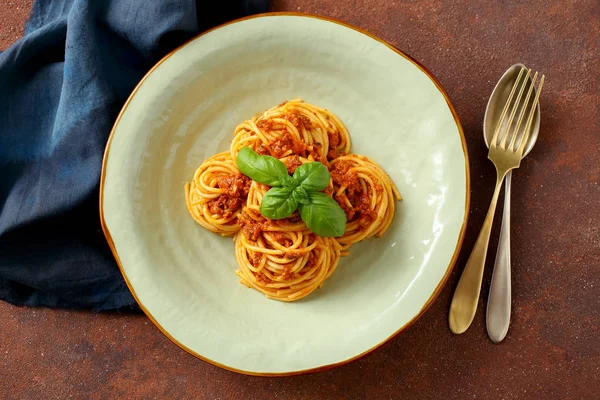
360, 200
225, 206
235, 186
235, 191
251, 226
291, 163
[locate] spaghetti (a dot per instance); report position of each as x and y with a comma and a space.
366, 193
293, 128
282, 258
216, 194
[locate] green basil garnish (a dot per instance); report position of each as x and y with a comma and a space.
278, 203
289, 182
300, 195
321, 214
262, 169
313, 176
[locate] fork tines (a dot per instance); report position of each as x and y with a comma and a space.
505, 130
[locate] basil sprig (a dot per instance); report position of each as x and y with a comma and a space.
302, 191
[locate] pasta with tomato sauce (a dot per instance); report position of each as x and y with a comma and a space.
216, 194
283, 258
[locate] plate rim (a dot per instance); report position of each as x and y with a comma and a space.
400, 330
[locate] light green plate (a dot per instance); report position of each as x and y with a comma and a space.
186, 109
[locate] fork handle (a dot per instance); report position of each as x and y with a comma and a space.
466, 295
499, 299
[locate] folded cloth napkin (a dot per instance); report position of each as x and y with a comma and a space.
61, 88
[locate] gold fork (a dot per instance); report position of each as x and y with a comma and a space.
506, 155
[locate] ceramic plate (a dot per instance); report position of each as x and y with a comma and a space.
185, 110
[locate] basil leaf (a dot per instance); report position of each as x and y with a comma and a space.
300, 195
312, 176
289, 183
323, 215
278, 203
262, 169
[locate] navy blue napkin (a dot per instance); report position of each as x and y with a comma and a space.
61, 88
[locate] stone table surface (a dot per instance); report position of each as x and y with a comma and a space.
552, 350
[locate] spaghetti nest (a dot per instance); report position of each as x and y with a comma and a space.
282, 258
293, 128
366, 194
216, 194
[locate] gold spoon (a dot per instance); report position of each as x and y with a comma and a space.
499, 298
506, 151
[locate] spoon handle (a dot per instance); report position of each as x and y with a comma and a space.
499, 299
466, 296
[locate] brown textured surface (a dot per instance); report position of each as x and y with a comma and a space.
12, 17
553, 348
